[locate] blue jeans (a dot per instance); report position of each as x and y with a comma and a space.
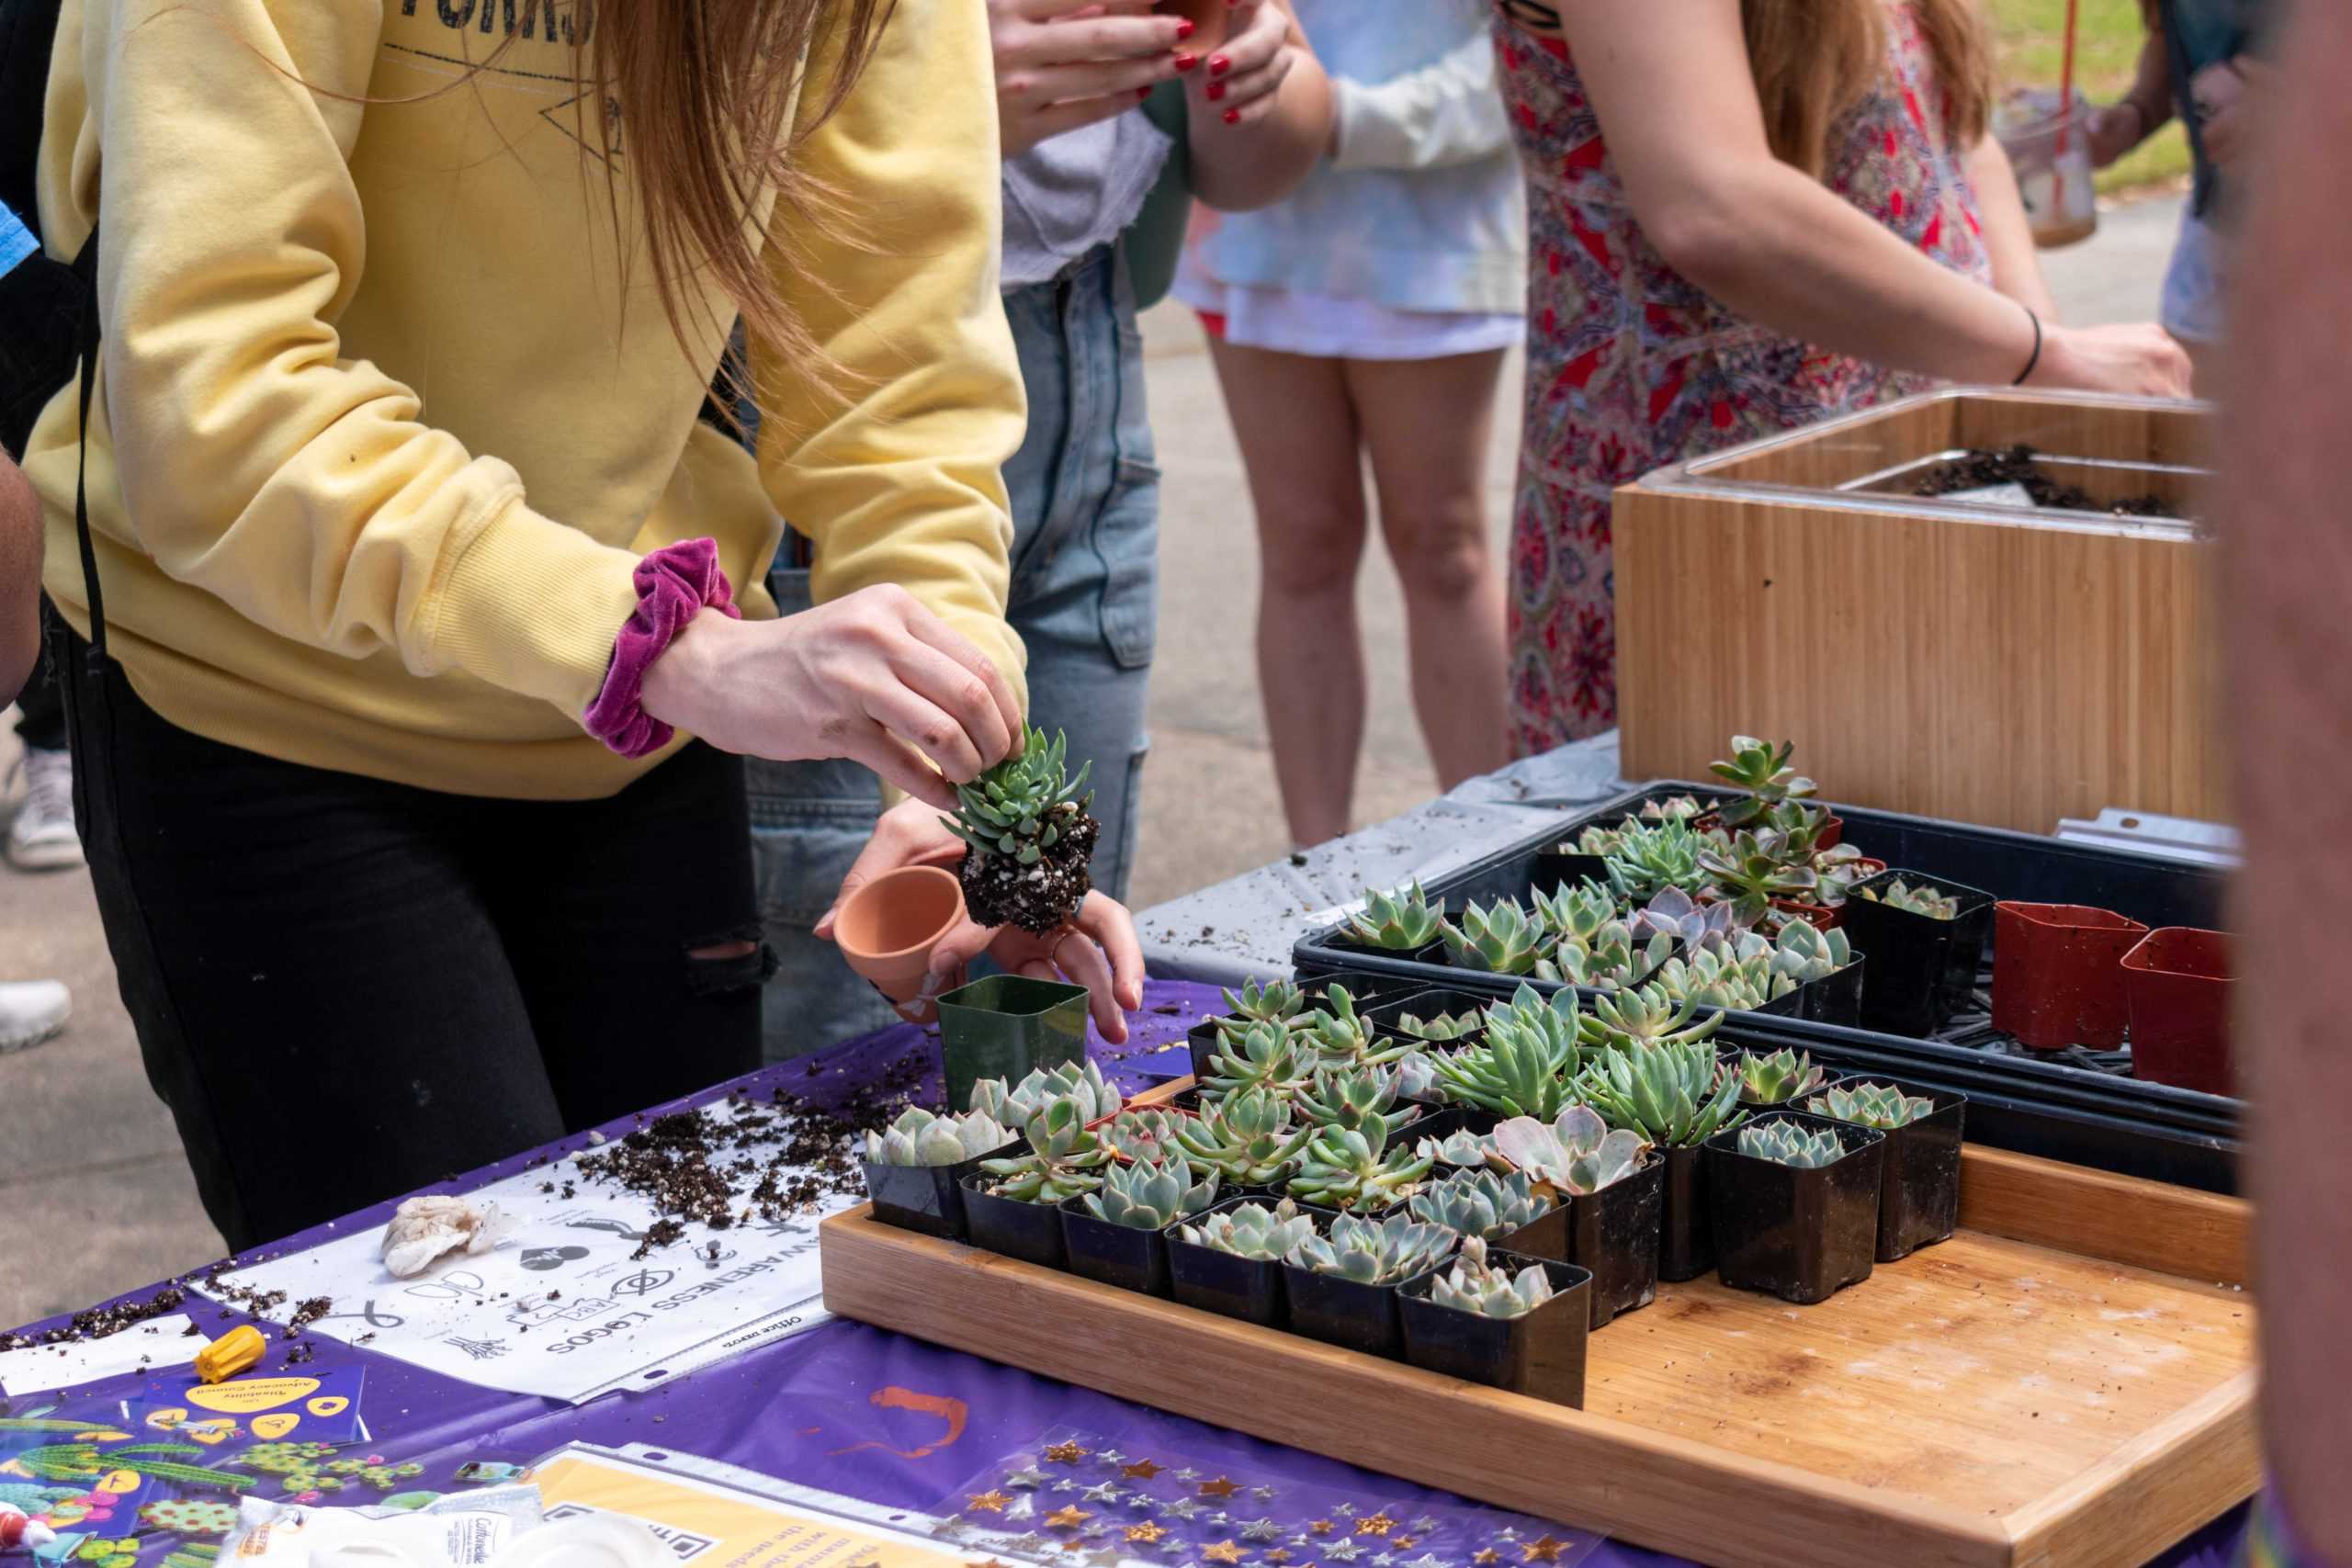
1085, 495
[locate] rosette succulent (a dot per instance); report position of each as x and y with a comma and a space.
1353, 1097
1779, 1078
1919, 899
1398, 921
918, 1137
1144, 1132
1676, 808
1150, 1195
1487, 1289
1598, 838
1266, 1056
1644, 1016
1277, 1001
1441, 1026
1575, 914
1352, 1167
1250, 1138
1460, 1148
1649, 858
1338, 1037
1713, 978
1763, 771
1375, 1252
1030, 837
1525, 1066
1610, 961
1253, 1231
1083, 1082
1670, 1092
1064, 1159
1872, 1105
1485, 1203
1786, 1143
1674, 914
1572, 1155
1502, 939
1753, 868
1804, 953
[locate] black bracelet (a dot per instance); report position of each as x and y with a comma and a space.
2036, 359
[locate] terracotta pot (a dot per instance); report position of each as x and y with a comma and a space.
1210, 18
888, 927
2177, 983
2057, 980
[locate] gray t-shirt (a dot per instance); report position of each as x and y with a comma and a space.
1066, 195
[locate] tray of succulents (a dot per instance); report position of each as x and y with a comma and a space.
2078, 993
1595, 1263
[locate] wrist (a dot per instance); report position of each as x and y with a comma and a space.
686, 668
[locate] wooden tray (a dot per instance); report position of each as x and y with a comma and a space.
2069, 1380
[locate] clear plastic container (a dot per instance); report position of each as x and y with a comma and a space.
2051, 150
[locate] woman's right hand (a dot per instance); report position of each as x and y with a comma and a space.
1062, 64
873, 676
2141, 359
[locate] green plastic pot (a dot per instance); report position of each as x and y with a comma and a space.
1007, 1026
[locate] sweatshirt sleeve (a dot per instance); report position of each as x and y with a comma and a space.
887, 460
1447, 112
258, 461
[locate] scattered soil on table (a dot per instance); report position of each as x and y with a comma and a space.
98, 1322
1001, 891
2016, 465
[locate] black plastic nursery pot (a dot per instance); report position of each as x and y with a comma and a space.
926, 1198
1203, 1038
1112, 1254
1686, 1238
1430, 1004
1246, 1288
1611, 1234
1341, 1311
1922, 969
1919, 1194
1007, 1026
1539, 1354
1030, 1232
1802, 1235
1837, 997
1428, 952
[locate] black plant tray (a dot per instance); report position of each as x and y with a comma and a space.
2076, 1105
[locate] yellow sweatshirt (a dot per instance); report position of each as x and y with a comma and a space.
385, 422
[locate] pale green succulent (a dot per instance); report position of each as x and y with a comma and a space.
1643, 1016
1669, 1092
1150, 1195
1711, 979
1919, 899
1754, 868
1460, 1148
1352, 1097
1598, 838
918, 1137
1266, 1057
1398, 921
1872, 1105
1144, 1132
1500, 938
1096, 1095
1253, 1231
1441, 1027
1250, 1138
1277, 1001
1415, 1076
1063, 1161
1804, 953
1524, 1066
1575, 914
1338, 1036
1779, 1078
1375, 1252
1763, 771
1676, 808
1787, 1143
1574, 1153
1650, 859
1483, 1203
1015, 809
1490, 1289
1353, 1167
1610, 961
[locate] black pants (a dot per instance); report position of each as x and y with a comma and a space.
345, 988
40, 706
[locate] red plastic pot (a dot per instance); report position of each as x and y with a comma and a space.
2177, 983
2057, 974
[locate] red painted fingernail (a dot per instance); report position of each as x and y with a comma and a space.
1219, 65
1216, 91
1186, 62
1233, 117
1143, 92
1183, 29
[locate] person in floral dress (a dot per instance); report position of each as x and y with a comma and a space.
1742, 220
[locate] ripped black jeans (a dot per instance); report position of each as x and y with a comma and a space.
345, 988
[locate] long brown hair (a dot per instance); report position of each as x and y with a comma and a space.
1814, 58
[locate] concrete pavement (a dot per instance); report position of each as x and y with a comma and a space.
93, 1192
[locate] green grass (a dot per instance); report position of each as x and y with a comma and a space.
2031, 35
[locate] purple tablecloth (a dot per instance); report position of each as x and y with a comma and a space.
856, 1410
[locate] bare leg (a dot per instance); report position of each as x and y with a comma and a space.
1290, 413
1427, 423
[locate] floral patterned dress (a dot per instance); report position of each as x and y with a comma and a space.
1630, 365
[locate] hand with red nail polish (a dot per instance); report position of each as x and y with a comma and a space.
1256, 58
1219, 65
1215, 91
1186, 62
1062, 64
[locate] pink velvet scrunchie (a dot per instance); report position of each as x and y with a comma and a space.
673, 584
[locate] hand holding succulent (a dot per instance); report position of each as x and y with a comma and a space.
1031, 839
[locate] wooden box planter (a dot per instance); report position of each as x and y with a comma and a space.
2077, 648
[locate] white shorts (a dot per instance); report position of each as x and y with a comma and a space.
1290, 321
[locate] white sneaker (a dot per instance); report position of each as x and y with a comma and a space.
32, 1011
42, 837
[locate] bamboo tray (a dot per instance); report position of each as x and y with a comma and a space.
2069, 1380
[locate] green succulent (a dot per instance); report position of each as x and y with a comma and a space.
1502, 939
1872, 1105
1096, 1095
1352, 1097
1277, 1001
1150, 1195
1064, 1159
1805, 953
1253, 1231
1375, 1252
1441, 1028
1338, 1036
1353, 1167
1676, 808
1019, 807
918, 1137
1713, 978
1249, 1138
1266, 1057
1573, 1155
1526, 1065
1485, 1203
1610, 962
1144, 1132
1643, 1016
1597, 839
1788, 1143
1460, 1148
1490, 1289
1398, 921
1919, 899
1650, 859
1669, 1092
1779, 1078
1763, 771
1752, 869
1575, 914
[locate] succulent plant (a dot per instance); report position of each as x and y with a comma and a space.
1267, 1056
1673, 913
1643, 1016
1572, 1155
1575, 914
1650, 859
1338, 1036
918, 1137
1670, 1092
1713, 978
1677, 808
1460, 1148
1064, 1159
1787, 1143
1277, 1001
1485, 1203
1779, 1078
1398, 921
1919, 899
1502, 939
1353, 1097
1872, 1105
1415, 1076
1598, 838
1353, 1167
1527, 1063
1253, 1231
1490, 1289
1096, 1095
1763, 771
1150, 1195
1804, 953
1610, 961
1250, 1138
1026, 822
1753, 868
1375, 1252
1441, 1026
1144, 1132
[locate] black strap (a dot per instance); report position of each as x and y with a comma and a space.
86, 267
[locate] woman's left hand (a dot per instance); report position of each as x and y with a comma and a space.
1249, 67
1098, 948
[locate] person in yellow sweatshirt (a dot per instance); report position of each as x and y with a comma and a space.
414, 563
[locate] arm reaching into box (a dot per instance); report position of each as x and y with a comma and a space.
20, 542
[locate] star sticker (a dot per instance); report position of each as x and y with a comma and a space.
1023, 1507
1142, 1469
1486, 1557
1263, 1493
1320, 1527
1029, 1542
1506, 1533
1426, 1560
1343, 1551
1065, 1484
1143, 1502
1404, 1542
1220, 1487
1375, 1524
1025, 1479
1104, 1557
1299, 1538
1381, 1560
1423, 1525
1262, 1529
1065, 1453
1220, 1518
1146, 1532
1346, 1510
1068, 1518
1278, 1555
1106, 1492
949, 1530
989, 1502
1186, 1474
1543, 1550
1110, 1456
1223, 1551
1182, 1508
